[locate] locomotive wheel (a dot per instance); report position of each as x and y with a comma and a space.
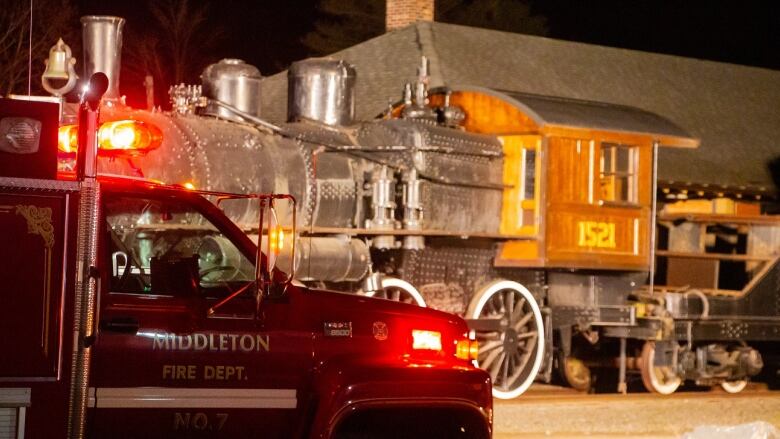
575, 373
513, 352
398, 290
657, 379
734, 386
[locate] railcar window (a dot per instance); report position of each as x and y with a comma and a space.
618, 173
158, 246
529, 187
529, 168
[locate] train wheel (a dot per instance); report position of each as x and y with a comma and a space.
657, 379
511, 341
734, 386
575, 373
398, 290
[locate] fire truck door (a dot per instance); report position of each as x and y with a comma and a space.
166, 367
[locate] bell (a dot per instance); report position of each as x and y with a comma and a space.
58, 62
59, 67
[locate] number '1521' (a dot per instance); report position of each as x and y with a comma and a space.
596, 234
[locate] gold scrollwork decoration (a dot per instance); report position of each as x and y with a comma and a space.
38, 222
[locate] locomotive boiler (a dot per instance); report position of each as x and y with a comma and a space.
533, 217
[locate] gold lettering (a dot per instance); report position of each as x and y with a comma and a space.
182, 346
247, 343
181, 421
212, 342
200, 421
201, 341
160, 341
263, 342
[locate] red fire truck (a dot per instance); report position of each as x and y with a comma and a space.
135, 309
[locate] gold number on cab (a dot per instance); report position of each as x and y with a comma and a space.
596, 234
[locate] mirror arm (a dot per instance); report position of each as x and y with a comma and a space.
213, 309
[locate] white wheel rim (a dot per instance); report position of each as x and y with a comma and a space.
475, 309
734, 386
664, 388
394, 282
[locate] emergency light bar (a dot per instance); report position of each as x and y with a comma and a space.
118, 137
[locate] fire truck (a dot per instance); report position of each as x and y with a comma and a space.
131, 308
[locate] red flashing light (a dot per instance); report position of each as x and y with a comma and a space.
426, 340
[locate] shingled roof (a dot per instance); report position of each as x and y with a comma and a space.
734, 110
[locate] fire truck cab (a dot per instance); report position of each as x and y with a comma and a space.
188, 338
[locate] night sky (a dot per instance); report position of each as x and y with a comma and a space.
269, 33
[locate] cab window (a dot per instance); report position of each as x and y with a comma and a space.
618, 173
165, 247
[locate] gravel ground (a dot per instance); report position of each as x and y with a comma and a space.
562, 414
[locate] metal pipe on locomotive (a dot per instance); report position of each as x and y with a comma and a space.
531, 216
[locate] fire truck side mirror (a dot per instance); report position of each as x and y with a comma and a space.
277, 241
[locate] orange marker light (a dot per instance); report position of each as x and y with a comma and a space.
128, 137
276, 239
68, 139
426, 340
467, 349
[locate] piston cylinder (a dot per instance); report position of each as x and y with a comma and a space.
331, 259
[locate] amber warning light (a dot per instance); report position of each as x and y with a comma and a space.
119, 137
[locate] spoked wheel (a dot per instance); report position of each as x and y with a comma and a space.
509, 327
398, 290
657, 379
575, 373
734, 386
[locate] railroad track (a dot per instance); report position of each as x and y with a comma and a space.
551, 411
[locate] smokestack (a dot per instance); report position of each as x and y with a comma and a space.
402, 13
102, 37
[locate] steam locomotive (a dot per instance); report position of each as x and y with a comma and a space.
533, 217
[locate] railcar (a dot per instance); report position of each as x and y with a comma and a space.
531, 216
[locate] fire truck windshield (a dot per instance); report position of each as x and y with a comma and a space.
166, 247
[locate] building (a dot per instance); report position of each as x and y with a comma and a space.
734, 110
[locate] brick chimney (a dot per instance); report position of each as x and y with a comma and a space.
402, 13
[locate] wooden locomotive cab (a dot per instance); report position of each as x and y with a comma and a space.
578, 176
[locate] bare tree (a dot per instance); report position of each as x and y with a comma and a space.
174, 48
344, 23
52, 19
